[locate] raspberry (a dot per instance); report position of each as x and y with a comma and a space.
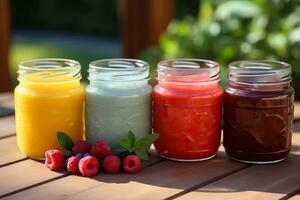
54, 159
100, 149
89, 166
81, 147
73, 165
132, 164
111, 164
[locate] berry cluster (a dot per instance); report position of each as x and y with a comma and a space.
88, 159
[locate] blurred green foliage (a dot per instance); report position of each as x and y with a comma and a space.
91, 17
34, 50
96, 17
228, 30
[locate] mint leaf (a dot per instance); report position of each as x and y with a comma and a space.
146, 141
131, 136
125, 143
128, 143
64, 140
140, 147
142, 154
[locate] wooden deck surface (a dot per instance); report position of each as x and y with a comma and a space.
218, 178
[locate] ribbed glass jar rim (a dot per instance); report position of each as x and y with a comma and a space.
260, 72
188, 71
118, 70
49, 70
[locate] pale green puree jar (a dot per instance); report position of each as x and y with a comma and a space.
118, 100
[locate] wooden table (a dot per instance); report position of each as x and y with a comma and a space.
218, 178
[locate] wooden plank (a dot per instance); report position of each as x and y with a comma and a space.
7, 100
24, 174
163, 180
143, 22
256, 182
296, 197
6, 96
7, 126
9, 151
60, 188
7, 123
297, 110
155, 182
4, 45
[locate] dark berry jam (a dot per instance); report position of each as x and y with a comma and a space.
258, 111
258, 127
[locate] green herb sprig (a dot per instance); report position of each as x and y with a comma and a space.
139, 147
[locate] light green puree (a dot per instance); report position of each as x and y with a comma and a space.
113, 108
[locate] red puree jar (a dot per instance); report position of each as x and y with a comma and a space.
187, 109
258, 111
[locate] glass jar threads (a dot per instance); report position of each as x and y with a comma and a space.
258, 111
118, 100
48, 99
187, 109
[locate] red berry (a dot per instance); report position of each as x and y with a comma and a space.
132, 164
111, 164
89, 166
73, 165
54, 159
81, 147
100, 149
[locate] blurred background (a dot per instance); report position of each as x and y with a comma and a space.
152, 30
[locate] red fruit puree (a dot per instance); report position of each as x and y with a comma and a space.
187, 109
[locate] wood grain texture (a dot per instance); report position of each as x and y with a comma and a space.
7, 126
9, 151
155, 182
7, 100
23, 174
72, 185
296, 197
297, 110
6, 96
256, 182
162, 180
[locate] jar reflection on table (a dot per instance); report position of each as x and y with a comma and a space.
187, 109
258, 111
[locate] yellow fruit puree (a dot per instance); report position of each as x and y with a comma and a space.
45, 103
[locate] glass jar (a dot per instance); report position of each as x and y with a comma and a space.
48, 99
258, 111
187, 109
118, 100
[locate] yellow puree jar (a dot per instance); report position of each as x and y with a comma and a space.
48, 99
